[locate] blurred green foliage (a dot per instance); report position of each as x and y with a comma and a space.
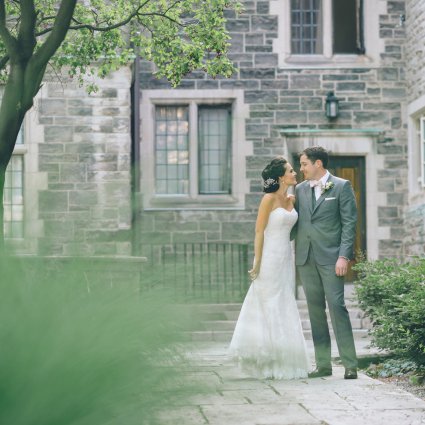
392, 294
73, 356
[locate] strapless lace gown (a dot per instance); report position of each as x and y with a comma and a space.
268, 341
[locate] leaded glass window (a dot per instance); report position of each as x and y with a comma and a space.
306, 27
214, 149
172, 150
13, 198
192, 149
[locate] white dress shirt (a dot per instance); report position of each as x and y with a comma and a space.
321, 185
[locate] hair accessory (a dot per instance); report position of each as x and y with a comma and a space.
269, 182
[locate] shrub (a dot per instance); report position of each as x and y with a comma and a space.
73, 357
392, 294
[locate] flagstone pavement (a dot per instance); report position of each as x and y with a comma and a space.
234, 398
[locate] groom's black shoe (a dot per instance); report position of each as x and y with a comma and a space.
350, 373
320, 371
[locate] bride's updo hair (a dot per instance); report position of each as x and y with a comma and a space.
275, 169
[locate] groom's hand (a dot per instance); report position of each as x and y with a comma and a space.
341, 266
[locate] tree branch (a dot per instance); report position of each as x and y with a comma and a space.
58, 34
110, 27
26, 35
10, 42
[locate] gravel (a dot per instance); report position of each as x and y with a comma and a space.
403, 382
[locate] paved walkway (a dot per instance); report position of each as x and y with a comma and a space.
233, 398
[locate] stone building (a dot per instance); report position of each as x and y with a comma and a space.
198, 150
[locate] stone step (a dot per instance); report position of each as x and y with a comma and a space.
224, 307
226, 336
229, 325
354, 312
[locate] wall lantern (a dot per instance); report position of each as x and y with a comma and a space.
332, 106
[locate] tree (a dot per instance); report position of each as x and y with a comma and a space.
98, 36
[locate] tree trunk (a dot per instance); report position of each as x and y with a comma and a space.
2, 178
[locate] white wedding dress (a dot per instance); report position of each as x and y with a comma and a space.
268, 341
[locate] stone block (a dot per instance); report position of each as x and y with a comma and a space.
263, 7
390, 149
236, 42
264, 23
210, 226
369, 117
86, 197
386, 106
52, 106
53, 201
237, 25
386, 185
189, 237
274, 84
108, 235
239, 84
254, 39
265, 59
261, 96
291, 117
340, 77
398, 93
388, 212
241, 231
83, 110
73, 172
58, 229
312, 103
58, 133
390, 245
304, 82
109, 92
256, 162
392, 163
257, 73
388, 74
253, 130
358, 87
51, 148
396, 7
207, 84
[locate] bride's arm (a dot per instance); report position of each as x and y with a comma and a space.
264, 210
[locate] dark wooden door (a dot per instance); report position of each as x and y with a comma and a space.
351, 168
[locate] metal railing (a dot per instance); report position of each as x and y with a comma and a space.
214, 272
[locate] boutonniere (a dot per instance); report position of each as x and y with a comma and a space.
327, 186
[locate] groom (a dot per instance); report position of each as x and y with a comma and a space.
324, 240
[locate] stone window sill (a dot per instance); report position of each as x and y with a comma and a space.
321, 61
202, 202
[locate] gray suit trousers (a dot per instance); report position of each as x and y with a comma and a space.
322, 285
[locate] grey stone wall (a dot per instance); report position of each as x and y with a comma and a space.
85, 155
415, 48
279, 99
415, 71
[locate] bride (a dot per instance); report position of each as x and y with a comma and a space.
268, 341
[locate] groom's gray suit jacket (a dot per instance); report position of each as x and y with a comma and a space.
329, 227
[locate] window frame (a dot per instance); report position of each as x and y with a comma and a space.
20, 149
421, 140
239, 149
371, 41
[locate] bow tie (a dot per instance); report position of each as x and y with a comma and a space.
314, 183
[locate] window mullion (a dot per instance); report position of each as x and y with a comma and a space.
193, 150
